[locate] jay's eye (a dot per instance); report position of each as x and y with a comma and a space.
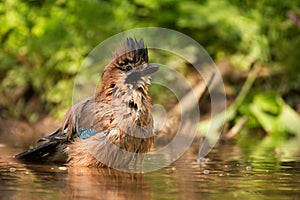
128, 68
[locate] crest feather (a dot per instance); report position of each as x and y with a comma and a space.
133, 50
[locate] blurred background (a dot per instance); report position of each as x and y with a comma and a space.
255, 44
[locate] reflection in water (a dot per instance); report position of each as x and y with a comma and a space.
228, 174
104, 183
34, 181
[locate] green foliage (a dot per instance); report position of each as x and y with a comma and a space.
263, 110
44, 44
245, 30
273, 114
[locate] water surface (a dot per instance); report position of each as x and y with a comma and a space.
226, 174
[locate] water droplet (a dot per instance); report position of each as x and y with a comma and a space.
62, 168
201, 160
248, 168
12, 169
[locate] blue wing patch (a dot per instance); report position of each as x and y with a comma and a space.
84, 133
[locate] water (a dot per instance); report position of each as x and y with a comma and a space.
226, 174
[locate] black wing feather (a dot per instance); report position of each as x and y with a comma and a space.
40, 153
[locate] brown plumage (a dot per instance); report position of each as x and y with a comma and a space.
115, 125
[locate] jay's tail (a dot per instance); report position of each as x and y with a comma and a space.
40, 153
53, 150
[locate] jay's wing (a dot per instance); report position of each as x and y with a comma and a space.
80, 121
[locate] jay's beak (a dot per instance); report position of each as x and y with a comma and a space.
150, 69
136, 75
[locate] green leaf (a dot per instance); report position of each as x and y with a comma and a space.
274, 115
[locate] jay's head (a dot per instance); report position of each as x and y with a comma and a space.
130, 66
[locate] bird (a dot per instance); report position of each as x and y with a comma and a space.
112, 127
